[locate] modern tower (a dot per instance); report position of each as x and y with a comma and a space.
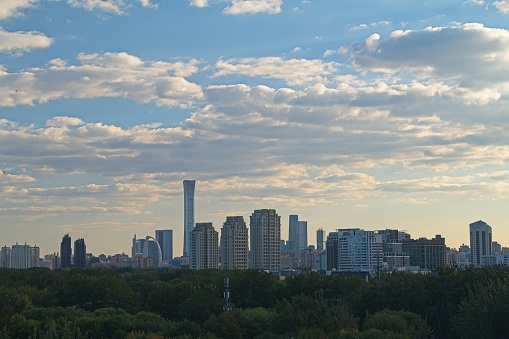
303, 235
320, 236
65, 251
204, 247
165, 240
21, 256
188, 213
234, 244
80, 253
293, 232
480, 241
265, 239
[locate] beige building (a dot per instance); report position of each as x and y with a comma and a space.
265, 239
234, 243
204, 247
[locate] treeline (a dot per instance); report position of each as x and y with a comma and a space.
130, 303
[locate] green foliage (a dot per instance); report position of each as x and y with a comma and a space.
398, 322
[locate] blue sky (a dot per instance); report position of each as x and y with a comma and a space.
370, 114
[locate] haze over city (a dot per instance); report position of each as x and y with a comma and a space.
369, 114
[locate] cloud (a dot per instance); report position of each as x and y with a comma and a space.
13, 7
199, 3
293, 71
502, 6
103, 75
22, 41
366, 26
147, 3
237, 7
111, 6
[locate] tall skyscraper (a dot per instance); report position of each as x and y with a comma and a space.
204, 247
5, 261
303, 236
480, 241
80, 253
65, 251
188, 213
265, 239
320, 236
165, 240
234, 243
293, 233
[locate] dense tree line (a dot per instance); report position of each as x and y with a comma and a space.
164, 303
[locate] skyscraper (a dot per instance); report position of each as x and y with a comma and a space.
234, 243
65, 251
320, 236
5, 261
293, 232
303, 236
480, 241
165, 240
188, 213
265, 239
21, 256
80, 253
204, 247
428, 254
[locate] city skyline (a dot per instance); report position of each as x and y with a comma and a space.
372, 115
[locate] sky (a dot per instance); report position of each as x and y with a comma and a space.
351, 114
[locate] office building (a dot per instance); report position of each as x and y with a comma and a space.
5, 257
21, 256
293, 233
265, 239
137, 247
353, 249
320, 239
165, 240
428, 254
480, 241
80, 253
204, 247
152, 249
234, 243
65, 252
188, 213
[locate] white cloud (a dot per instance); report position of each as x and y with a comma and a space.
237, 7
22, 41
293, 71
103, 75
13, 7
147, 3
502, 6
199, 3
111, 6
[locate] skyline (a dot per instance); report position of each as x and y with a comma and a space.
371, 115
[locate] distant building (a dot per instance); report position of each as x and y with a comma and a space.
165, 240
188, 213
65, 252
204, 247
21, 256
234, 243
309, 258
265, 239
5, 257
80, 253
428, 254
151, 248
320, 239
353, 249
298, 234
480, 241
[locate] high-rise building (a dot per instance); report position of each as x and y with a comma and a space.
65, 251
80, 253
21, 256
152, 249
204, 247
234, 243
35, 255
353, 249
320, 237
265, 236
480, 241
165, 240
302, 243
5, 257
293, 233
428, 254
188, 213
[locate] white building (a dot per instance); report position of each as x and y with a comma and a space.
480, 241
265, 239
234, 243
354, 249
204, 247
